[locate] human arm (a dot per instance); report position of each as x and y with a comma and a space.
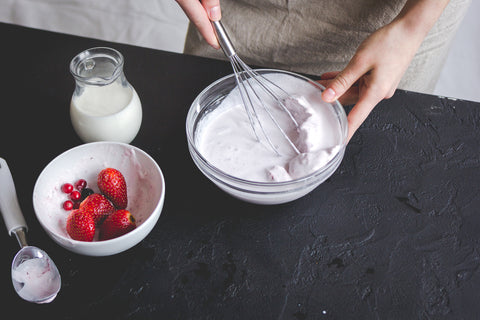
380, 61
201, 13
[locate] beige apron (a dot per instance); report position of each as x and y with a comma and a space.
316, 36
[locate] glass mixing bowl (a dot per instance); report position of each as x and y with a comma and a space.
252, 191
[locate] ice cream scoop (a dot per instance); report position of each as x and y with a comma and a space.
34, 275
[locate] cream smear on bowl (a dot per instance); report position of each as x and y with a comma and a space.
79, 163
226, 140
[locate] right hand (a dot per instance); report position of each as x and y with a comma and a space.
201, 13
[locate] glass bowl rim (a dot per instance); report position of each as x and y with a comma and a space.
338, 108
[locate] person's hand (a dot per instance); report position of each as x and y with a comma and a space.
379, 63
200, 14
372, 75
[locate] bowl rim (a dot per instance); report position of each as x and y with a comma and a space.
337, 107
138, 229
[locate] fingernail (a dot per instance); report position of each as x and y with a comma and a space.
328, 95
215, 13
216, 46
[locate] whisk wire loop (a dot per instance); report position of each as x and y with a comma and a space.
247, 102
247, 80
258, 78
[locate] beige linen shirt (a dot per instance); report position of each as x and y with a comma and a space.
316, 36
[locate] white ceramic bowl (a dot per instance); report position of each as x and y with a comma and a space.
145, 191
251, 191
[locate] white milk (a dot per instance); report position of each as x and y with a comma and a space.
106, 113
225, 137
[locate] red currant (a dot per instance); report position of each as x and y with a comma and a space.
75, 195
68, 205
67, 188
80, 184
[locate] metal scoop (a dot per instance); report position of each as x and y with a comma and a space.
34, 275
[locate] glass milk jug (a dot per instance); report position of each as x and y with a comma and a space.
104, 106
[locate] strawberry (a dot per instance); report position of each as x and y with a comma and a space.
98, 206
80, 225
112, 184
118, 223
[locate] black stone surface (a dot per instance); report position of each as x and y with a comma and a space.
393, 234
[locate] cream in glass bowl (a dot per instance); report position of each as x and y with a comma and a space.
225, 148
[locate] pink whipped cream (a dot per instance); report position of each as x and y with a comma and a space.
37, 280
225, 137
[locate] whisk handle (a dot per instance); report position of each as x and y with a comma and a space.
223, 39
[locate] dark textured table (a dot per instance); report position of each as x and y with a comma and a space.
393, 234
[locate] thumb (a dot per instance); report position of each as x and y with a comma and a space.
212, 7
201, 14
343, 81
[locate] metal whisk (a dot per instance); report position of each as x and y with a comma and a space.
252, 99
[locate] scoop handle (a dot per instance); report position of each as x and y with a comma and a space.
11, 212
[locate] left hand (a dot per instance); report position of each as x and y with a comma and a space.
380, 61
373, 73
